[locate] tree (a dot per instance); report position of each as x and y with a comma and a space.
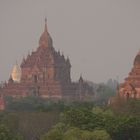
79, 117
72, 134
86, 135
77, 134
56, 133
100, 135
53, 134
5, 134
126, 127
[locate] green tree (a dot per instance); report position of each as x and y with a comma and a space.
5, 133
11, 120
100, 135
56, 133
86, 135
79, 117
77, 134
53, 134
72, 134
126, 127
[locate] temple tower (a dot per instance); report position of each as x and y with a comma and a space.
45, 72
131, 86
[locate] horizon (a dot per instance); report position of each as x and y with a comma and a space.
101, 38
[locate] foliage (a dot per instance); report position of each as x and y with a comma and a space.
5, 134
100, 135
53, 134
33, 103
125, 127
77, 134
84, 123
74, 133
128, 107
11, 120
78, 120
76, 117
31, 125
56, 133
104, 93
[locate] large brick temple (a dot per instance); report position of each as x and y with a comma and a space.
131, 86
45, 73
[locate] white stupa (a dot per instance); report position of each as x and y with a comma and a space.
16, 73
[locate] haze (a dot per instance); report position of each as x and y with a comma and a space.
101, 37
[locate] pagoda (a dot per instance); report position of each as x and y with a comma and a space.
131, 86
45, 73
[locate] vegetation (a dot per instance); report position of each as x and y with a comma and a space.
33, 103
104, 92
74, 133
129, 107
38, 119
97, 123
30, 125
6, 134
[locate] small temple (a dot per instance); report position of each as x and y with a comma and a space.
46, 73
131, 86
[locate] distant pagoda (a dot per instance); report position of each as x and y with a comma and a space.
46, 73
131, 86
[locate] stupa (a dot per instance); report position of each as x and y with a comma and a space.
131, 86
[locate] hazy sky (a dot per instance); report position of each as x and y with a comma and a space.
101, 37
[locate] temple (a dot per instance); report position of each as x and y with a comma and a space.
46, 73
131, 86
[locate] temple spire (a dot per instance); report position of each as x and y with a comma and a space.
45, 20
43, 41
46, 25
81, 79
